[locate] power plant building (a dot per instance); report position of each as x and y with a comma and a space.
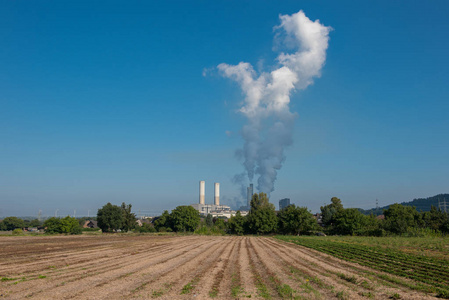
216, 210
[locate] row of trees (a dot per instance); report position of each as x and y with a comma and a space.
398, 220
335, 219
262, 219
181, 219
52, 225
11, 223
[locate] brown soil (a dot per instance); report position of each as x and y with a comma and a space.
181, 267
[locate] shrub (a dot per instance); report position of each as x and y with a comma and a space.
17, 231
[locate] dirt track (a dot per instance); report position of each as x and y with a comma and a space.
181, 267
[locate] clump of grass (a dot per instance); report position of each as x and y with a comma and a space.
351, 279
442, 293
308, 288
395, 296
189, 286
367, 295
157, 293
213, 293
262, 288
317, 281
7, 279
285, 291
342, 295
42, 276
366, 285
236, 288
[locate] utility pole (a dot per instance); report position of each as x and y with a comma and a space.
88, 213
74, 213
442, 205
56, 213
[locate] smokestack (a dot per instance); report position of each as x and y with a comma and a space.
202, 192
217, 194
249, 195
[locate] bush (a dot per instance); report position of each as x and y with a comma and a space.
163, 229
17, 231
67, 225
422, 232
145, 228
214, 230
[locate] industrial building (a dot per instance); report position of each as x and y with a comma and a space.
283, 203
216, 210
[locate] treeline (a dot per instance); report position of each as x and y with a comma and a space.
11, 223
420, 204
67, 225
334, 219
262, 218
396, 220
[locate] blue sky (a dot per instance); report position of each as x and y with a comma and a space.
121, 101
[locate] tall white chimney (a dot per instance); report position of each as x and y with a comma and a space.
202, 192
217, 194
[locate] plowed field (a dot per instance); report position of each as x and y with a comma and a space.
182, 267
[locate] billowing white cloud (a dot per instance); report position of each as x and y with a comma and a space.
267, 95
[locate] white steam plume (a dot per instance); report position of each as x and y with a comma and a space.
267, 95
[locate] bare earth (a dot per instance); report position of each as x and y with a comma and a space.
181, 267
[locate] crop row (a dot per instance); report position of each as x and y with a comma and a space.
427, 270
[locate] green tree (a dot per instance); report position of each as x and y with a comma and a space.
70, 225
35, 223
349, 221
53, 225
209, 220
220, 225
435, 218
110, 218
11, 223
328, 211
296, 220
146, 227
185, 218
129, 218
163, 222
399, 218
236, 224
262, 216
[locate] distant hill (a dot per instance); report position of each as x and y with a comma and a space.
421, 204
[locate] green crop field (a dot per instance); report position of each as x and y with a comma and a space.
423, 260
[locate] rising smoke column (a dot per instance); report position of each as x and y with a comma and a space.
267, 95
